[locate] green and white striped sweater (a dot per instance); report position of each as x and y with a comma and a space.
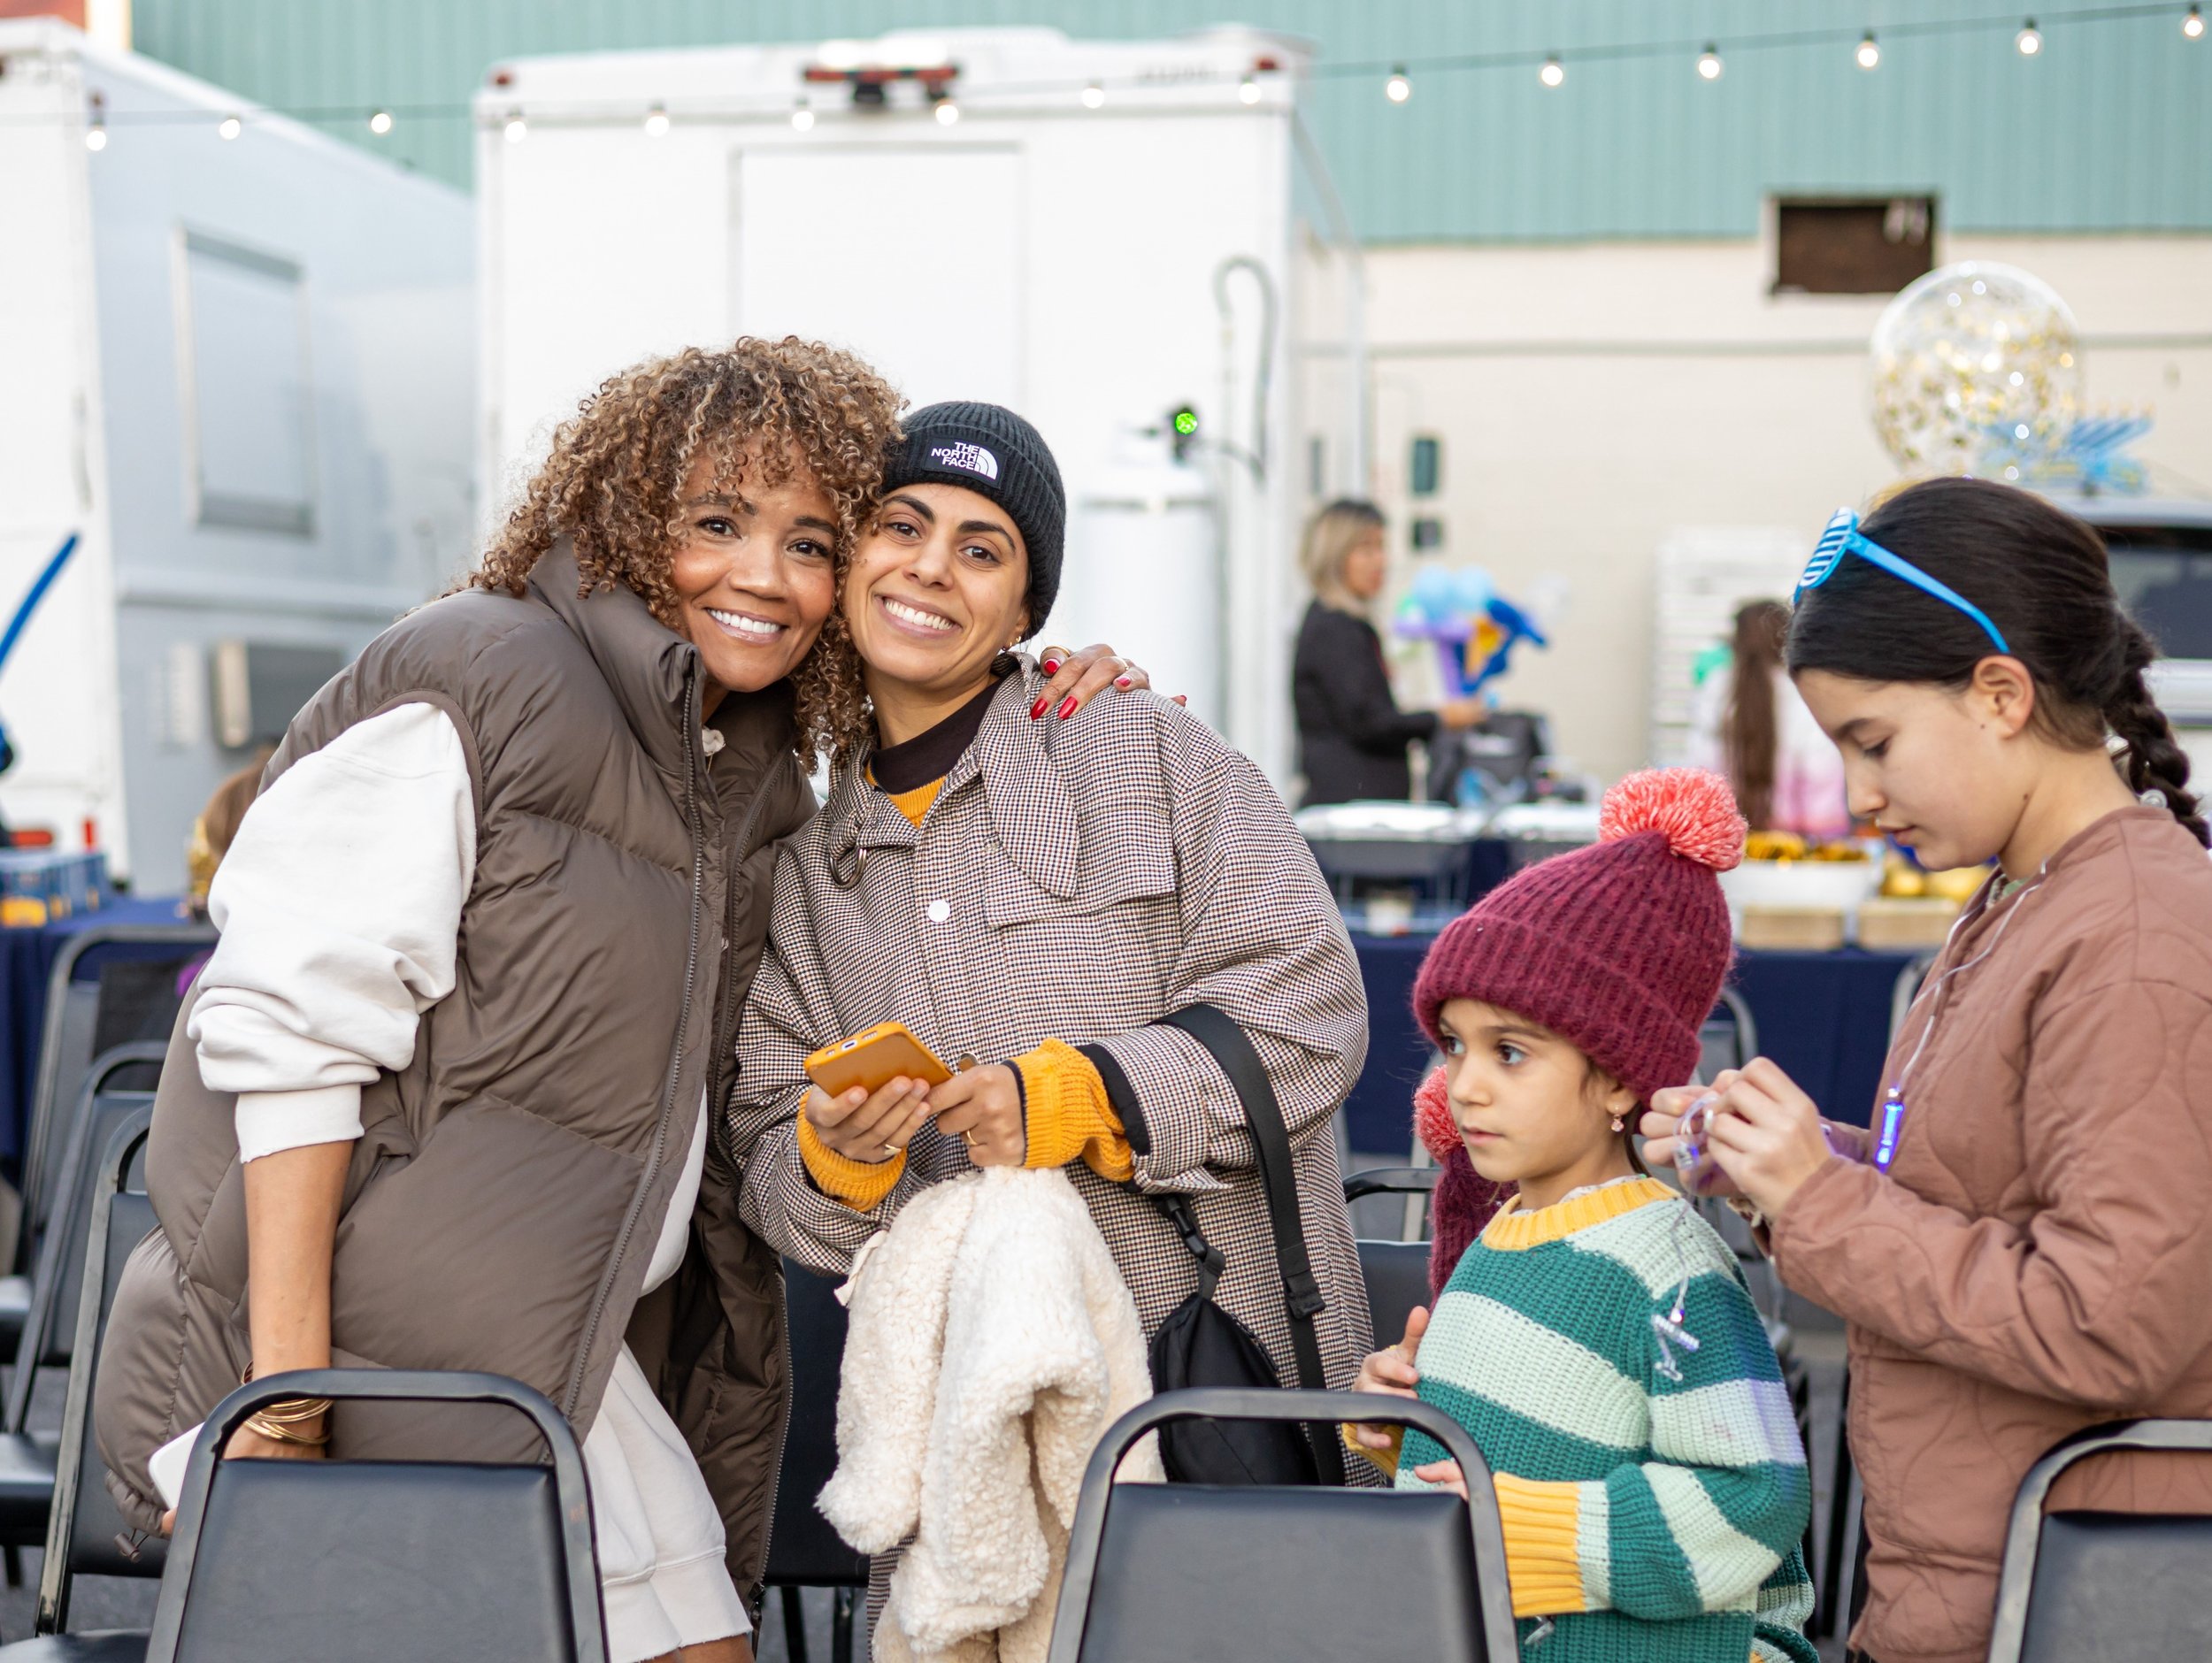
1650, 1518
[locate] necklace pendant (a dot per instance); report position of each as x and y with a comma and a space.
1893, 1121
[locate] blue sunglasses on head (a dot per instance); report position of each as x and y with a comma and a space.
1842, 538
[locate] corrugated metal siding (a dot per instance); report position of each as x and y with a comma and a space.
2106, 131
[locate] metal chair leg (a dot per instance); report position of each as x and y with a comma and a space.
841, 1626
794, 1625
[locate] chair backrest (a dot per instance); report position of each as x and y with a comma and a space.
72, 1011
803, 1551
50, 1325
2079, 1585
1730, 1038
1396, 1272
85, 1535
1397, 1276
1905, 990
368, 1561
1196, 1570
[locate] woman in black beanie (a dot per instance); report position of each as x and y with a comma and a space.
1040, 895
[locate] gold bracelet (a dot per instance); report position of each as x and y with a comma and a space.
278, 1421
283, 1432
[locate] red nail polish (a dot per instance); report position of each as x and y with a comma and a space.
1067, 707
1051, 666
1122, 682
1037, 710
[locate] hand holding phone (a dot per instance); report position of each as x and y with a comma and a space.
873, 1058
871, 1091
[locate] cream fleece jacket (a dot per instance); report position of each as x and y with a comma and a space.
993, 1341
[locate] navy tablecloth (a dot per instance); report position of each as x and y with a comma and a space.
1823, 1016
27, 957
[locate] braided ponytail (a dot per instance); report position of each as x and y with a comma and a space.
2153, 759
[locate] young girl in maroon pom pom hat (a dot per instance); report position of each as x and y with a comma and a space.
1595, 1337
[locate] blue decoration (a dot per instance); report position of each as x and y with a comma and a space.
1474, 627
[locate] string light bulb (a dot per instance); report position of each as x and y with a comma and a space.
96, 135
1248, 91
948, 112
517, 129
1709, 64
380, 122
656, 122
2029, 40
1554, 73
1398, 88
1869, 55
1094, 97
802, 119
2192, 26
228, 128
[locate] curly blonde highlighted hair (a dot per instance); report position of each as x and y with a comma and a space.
763, 409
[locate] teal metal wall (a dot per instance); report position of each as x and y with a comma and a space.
2108, 129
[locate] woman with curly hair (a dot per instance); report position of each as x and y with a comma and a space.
439, 1100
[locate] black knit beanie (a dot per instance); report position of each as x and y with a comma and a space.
989, 450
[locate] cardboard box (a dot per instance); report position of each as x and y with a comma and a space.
1891, 923
1792, 929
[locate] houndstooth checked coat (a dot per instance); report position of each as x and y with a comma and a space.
1076, 880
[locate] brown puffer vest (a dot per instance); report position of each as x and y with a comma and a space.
510, 1182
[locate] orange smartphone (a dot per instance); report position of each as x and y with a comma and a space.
873, 1057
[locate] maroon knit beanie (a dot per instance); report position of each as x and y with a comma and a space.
1619, 948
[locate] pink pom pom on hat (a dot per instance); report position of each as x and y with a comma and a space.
1619, 948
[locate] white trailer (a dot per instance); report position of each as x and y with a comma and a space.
1094, 233
235, 362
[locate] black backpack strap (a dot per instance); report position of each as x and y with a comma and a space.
1270, 1142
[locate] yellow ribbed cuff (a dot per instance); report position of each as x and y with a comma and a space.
1540, 1517
859, 1185
1386, 1461
1067, 1113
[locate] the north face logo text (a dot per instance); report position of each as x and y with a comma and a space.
968, 458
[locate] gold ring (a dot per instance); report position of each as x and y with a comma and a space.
890, 1149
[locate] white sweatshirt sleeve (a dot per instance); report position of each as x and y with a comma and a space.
339, 908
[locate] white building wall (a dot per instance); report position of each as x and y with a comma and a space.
1594, 400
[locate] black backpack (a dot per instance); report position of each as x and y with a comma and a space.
1202, 1345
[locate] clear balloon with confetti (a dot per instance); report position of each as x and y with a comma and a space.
1975, 366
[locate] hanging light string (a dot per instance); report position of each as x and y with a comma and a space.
1397, 78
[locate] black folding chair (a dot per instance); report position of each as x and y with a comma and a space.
2082, 1584
1730, 1038
1301, 1574
369, 1561
29, 1459
803, 1551
1397, 1272
81, 992
84, 1534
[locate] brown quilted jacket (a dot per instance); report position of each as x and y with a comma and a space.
503, 1201
2039, 1257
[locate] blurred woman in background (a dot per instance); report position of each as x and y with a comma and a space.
1749, 723
1352, 736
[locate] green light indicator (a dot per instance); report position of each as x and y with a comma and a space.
1185, 422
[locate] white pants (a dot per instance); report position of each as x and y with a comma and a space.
660, 1537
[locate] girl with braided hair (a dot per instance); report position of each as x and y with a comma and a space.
2018, 1242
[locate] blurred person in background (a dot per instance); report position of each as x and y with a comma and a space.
1352, 736
218, 824
1749, 723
